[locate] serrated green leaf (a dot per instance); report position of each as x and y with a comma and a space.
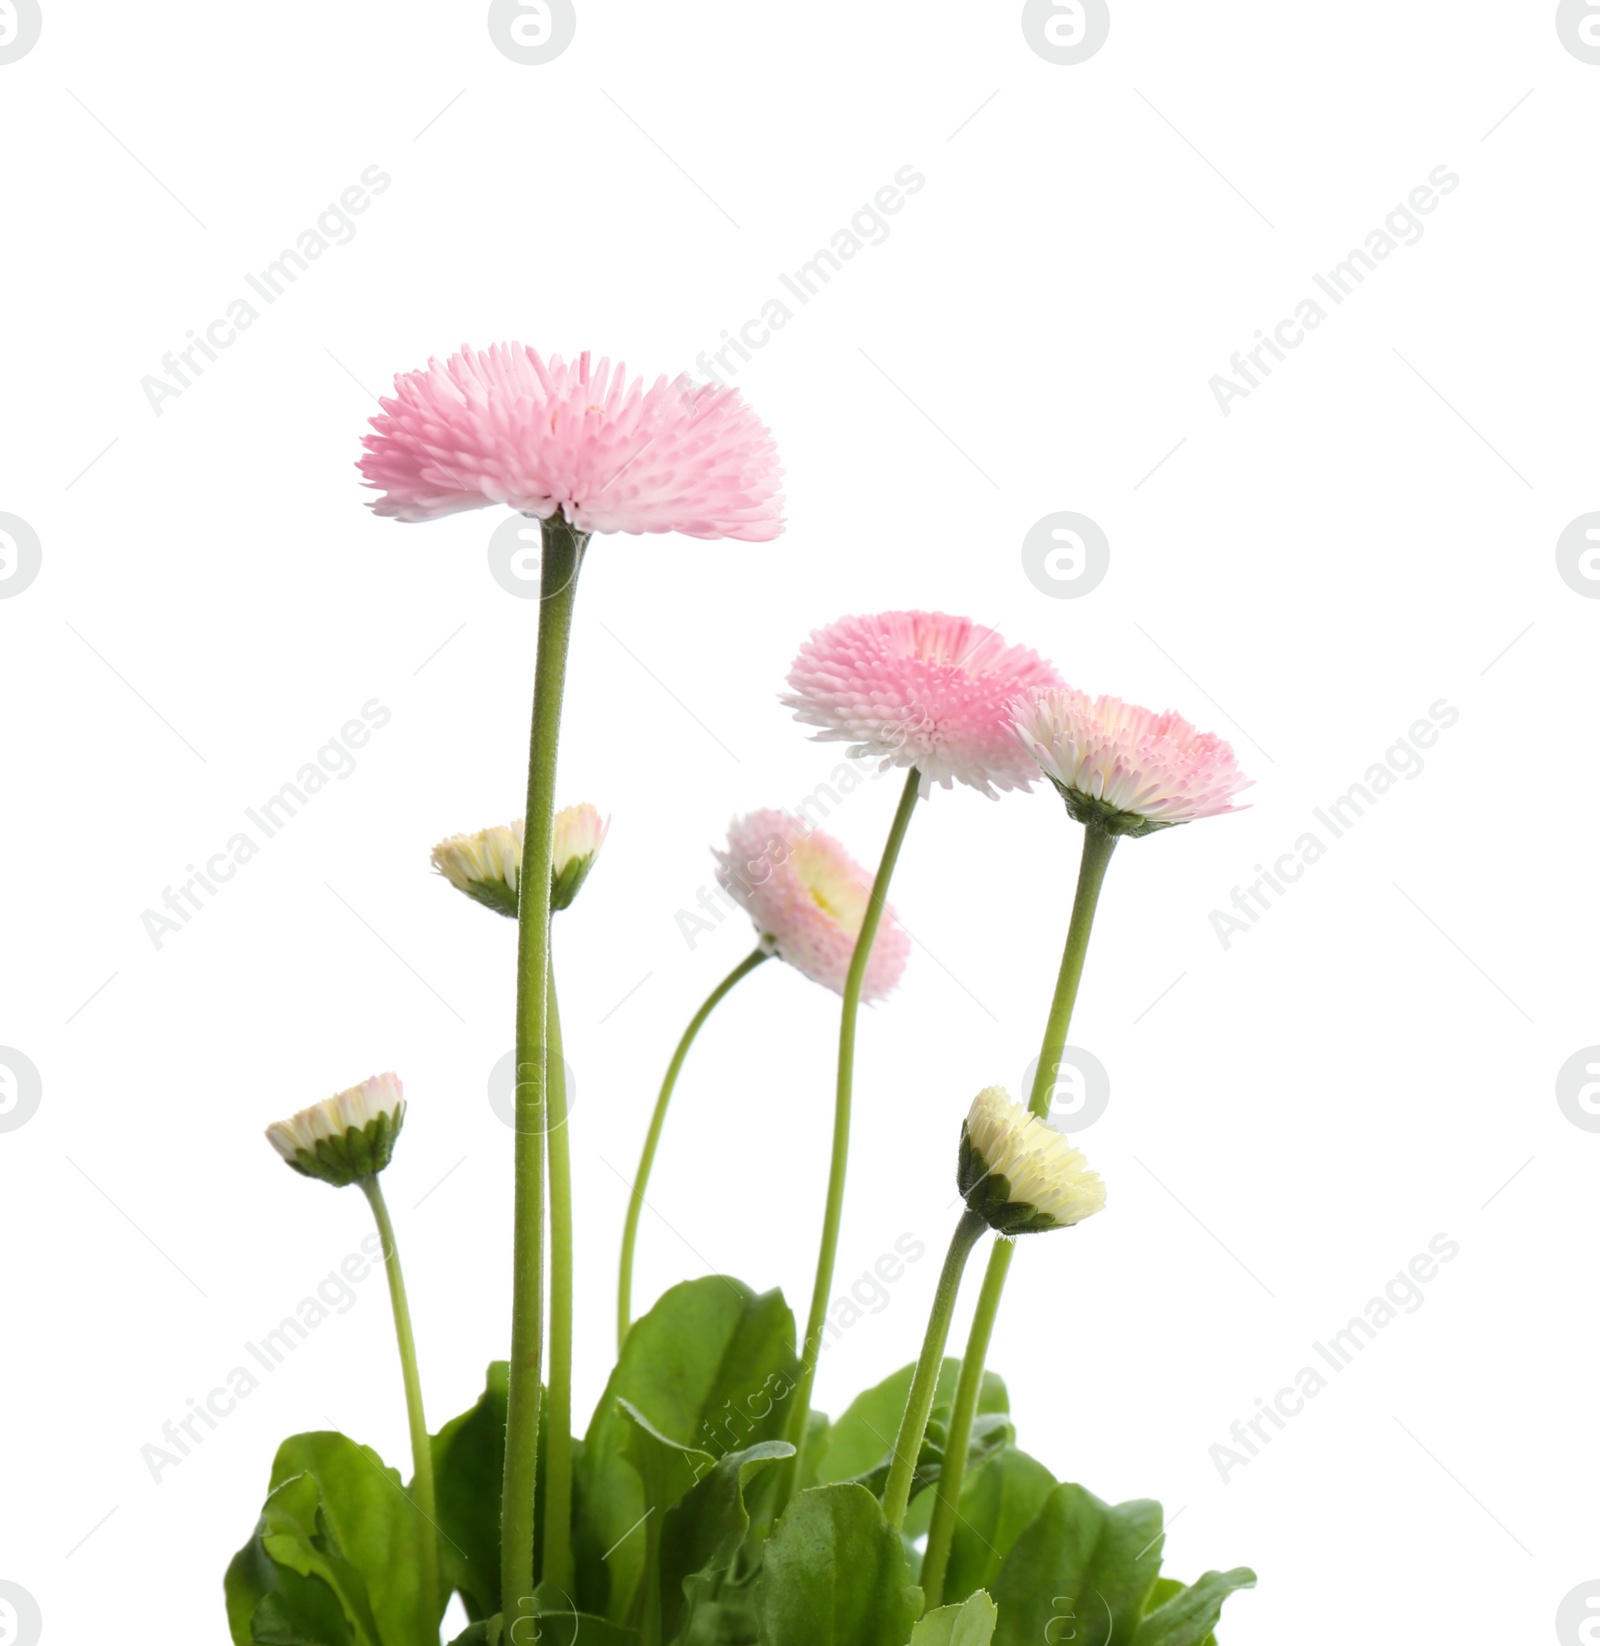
555, 1629
1081, 1571
710, 1367
1187, 1617
468, 1465
668, 1471
834, 1573
997, 1502
291, 1585
972, 1623
705, 1593
376, 1525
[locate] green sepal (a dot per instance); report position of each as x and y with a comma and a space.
1096, 814
564, 887
363, 1151
492, 894
989, 1195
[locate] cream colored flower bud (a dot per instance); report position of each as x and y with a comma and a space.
486, 866
345, 1138
1019, 1173
579, 834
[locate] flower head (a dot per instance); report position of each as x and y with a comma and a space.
808, 897
344, 1138
580, 833
920, 689
1019, 1173
486, 865
1124, 768
501, 425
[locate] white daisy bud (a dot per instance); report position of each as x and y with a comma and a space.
1019, 1173
486, 865
346, 1138
580, 833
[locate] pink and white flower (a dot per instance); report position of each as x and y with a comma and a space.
501, 425
920, 689
1125, 768
808, 898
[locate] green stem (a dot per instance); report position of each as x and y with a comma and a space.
1097, 849
563, 554
630, 1230
557, 1574
811, 1346
919, 1403
421, 1446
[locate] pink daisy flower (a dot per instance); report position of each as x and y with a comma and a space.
920, 689
808, 897
1127, 769
501, 425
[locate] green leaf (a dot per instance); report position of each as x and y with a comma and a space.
972, 1623
468, 1465
704, 1594
291, 1585
555, 1629
370, 1517
1080, 1571
708, 1368
668, 1471
862, 1441
997, 1502
1186, 1617
835, 1574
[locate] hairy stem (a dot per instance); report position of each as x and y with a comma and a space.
557, 1574
563, 554
925, 1380
1097, 849
421, 1446
811, 1346
630, 1230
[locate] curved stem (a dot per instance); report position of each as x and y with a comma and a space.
563, 554
1097, 849
421, 1446
557, 1574
630, 1230
925, 1380
811, 1346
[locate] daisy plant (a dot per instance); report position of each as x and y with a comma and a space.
707, 1503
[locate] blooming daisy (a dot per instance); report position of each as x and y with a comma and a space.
502, 425
920, 689
1126, 769
808, 897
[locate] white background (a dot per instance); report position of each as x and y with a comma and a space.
1366, 534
